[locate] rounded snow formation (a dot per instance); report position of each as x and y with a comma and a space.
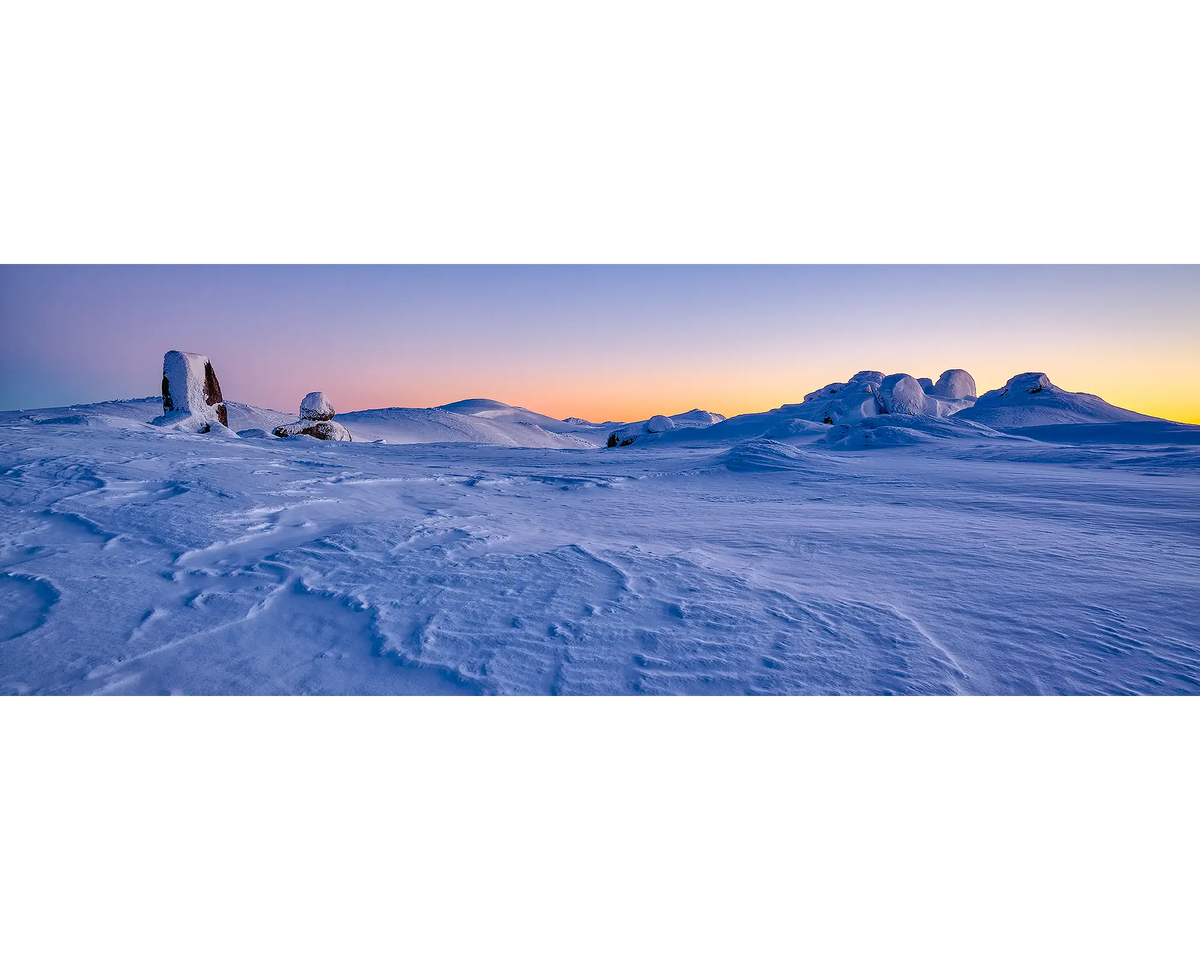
191, 393
867, 376
954, 385
659, 424
901, 394
316, 406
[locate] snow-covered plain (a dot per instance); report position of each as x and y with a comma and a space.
487, 549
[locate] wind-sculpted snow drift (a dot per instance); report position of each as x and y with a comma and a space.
913, 545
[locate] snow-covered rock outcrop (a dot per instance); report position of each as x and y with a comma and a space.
871, 394
954, 385
316, 420
316, 406
1031, 400
191, 393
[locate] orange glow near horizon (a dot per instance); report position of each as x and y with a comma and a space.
602, 343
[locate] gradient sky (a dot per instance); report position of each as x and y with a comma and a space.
597, 342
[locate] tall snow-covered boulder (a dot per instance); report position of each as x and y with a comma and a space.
191, 393
316, 420
954, 385
316, 406
659, 424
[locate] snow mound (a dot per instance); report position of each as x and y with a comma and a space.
1031, 400
907, 431
753, 456
316, 406
659, 424
696, 418
842, 402
901, 394
191, 394
505, 427
954, 385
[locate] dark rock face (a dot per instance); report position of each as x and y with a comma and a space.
212, 393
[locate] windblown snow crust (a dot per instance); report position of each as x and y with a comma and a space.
770, 554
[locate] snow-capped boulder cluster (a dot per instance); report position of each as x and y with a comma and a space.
316, 420
871, 394
191, 394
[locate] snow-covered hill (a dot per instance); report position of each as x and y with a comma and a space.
140, 412
484, 421
1031, 400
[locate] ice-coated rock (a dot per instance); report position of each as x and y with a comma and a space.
926, 384
191, 393
954, 385
316, 406
659, 424
867, 376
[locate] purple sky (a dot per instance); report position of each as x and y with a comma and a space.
598, 342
